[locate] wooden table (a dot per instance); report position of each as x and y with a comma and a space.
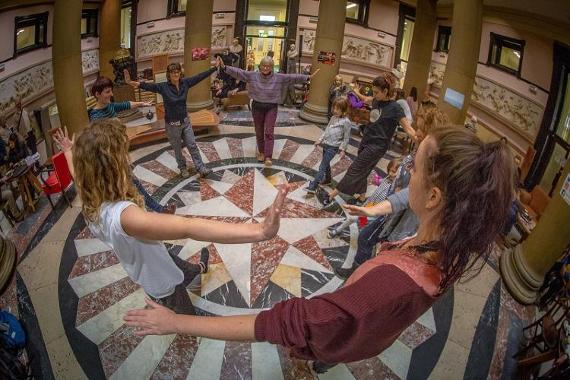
27, 179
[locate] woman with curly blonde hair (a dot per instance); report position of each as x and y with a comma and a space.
113, 208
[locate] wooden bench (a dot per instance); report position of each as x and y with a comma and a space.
238, 99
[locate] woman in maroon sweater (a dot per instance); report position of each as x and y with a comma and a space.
460, 189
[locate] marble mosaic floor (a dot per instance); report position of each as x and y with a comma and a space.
71, 291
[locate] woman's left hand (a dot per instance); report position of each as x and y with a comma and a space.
62, 139
271, 222
155, 320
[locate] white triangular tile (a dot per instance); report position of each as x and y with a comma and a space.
237, 259
296, 258
218, 206
263, 193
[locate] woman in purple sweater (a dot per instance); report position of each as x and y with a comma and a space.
265, 88
460, 189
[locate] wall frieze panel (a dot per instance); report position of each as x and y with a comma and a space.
90, 61
27, 84
356, 49
172, 42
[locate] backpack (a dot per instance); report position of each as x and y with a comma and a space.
12, 333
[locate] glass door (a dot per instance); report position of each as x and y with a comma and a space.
561, 151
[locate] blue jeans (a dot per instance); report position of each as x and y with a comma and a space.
325, 167
149, 201
367, 239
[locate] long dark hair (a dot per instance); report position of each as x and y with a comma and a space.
385, 81
414, 93
477, 182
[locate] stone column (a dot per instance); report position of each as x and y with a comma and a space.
67, 68
109, 35
463, 56
523, 269
198, 34
329, 37
419, 62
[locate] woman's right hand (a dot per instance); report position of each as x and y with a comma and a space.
358, 210
220, 62
128, 80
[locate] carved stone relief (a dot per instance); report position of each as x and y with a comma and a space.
26, 84
436, 72
90, 61
172, 42
356, 49
522, 113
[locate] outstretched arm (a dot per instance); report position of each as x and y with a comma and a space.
405, 123
152, 87
66, 145
194, 80
152, 226
235, 72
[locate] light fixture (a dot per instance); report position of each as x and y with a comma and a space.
518, 54
351, 5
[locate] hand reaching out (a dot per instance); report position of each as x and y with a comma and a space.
271, 222
219, 62
155, 320
357, 210
128, 80
62, 140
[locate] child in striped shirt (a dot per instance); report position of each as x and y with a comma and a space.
386, 187
102, 90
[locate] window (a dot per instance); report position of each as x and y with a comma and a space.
407, 36
270, 11
506, 53
443, 37
357, 11
89, 22
176, 7
30, 33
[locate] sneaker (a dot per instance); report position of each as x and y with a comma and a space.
169, 209
268, 162
345, 273
184, 173
333, 233
260, 157
205, 172
310, 190
331, 206
204, 257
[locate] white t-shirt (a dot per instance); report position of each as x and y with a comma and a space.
406, 108
147, 263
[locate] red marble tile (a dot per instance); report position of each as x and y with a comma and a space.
236, 147
288, 150
94, 303
415, 335
237, 361
294, 209
157, 168
341, 166
214, 256
85, 234
372, 368
293, 369
90, 263
525, 312
310, 248
209, 151
206, 191
496, 368
313, 158
241, 193
176, 362
265, 256
117, 347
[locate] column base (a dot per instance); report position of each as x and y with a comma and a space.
521, 282
197, 106
314, 113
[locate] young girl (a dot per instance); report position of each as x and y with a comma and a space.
385, 116
113, 209
460, 189
334, 139
386, 187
